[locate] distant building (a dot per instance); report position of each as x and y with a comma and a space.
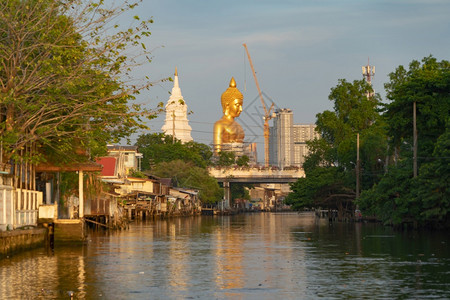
176, 123
287, 141
302, 134
281, 142
251, 152
120, 160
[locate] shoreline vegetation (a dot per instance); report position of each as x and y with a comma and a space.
388, 159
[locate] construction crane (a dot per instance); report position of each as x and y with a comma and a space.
267, 113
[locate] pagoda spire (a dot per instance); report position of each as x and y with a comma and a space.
177, 123
176, 91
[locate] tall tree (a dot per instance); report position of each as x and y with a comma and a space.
426, 83
432, 188
330, 167
64, 76
425, 199
353, 113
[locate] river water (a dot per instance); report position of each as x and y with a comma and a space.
248, 256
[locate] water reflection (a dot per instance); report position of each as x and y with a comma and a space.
256, 256
228, 257
38, 274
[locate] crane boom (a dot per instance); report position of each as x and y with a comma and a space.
267, 113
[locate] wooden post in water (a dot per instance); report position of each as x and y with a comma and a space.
227, 194
80, 195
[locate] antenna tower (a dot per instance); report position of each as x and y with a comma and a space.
368, 72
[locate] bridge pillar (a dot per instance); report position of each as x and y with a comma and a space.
227, 193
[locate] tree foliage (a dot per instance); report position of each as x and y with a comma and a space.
65, 76
240, 190
387, 200
226, 159
330, 167
353, 113
424, 200
322, 187
158, 147
187, 175
185, 163
427, 84
243, 161
433, 184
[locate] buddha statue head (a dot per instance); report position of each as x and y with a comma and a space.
227, 130
232, 100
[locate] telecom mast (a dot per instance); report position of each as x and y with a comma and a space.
368, 72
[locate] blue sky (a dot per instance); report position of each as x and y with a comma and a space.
299, 50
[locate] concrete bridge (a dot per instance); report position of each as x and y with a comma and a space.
229, 175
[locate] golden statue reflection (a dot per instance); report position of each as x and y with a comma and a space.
227, 130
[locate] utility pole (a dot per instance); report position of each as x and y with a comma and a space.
414, 140
357, 165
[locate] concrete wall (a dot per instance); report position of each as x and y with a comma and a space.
69, 231
6, 207
49, 211
18, 240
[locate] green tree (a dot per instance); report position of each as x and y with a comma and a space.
330, 167
427, 84
433, 183
226, 159
158, 147
243, 161
202, 151
424, 200
240, 190
353, 113
63, 78
398, 197
187, 175
387, 200
325, 187
185, 163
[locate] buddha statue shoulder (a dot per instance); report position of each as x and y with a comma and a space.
227, 130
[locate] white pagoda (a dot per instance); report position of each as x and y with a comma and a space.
176, 123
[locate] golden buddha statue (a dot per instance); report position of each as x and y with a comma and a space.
227, 130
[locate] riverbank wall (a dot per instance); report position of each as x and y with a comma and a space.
69, 231
20, 240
